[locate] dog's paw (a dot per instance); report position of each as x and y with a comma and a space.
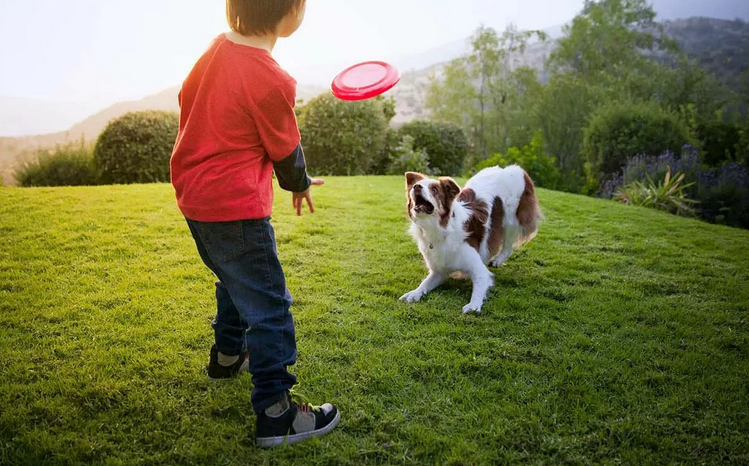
470, 307
495, 264
412, 296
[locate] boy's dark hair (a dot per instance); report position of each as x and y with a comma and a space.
257, 17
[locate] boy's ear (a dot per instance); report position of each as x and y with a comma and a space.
449, 187
412, 178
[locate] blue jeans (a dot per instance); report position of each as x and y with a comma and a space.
252, 302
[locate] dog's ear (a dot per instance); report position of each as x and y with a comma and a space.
450, 188
412, 178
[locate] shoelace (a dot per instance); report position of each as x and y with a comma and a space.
302, 402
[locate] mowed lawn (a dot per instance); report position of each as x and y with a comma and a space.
619, 335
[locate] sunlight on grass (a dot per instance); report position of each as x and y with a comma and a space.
618, 335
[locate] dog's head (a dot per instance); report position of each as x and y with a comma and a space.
428, 198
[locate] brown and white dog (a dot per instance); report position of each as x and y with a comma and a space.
464, 230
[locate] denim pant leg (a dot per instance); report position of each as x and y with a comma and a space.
228, 326
247, 264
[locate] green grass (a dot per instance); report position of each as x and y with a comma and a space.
619, 335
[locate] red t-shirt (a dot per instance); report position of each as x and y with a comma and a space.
237, 118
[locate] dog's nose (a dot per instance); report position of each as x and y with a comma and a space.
417, 187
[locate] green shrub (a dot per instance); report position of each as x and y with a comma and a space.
496, 160
621, 130
343, 138
532, 158
719, 141
723, 193
69, 164
136, 147
391, 151
668, 195
445, 143
742, 149
408, 159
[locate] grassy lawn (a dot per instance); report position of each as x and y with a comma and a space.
619, 335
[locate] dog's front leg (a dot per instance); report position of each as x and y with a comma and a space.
433, 280
482, 280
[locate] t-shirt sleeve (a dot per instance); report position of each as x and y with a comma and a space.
276, 123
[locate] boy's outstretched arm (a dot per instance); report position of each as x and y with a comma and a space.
291, 173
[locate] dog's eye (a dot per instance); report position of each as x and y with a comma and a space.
434, 189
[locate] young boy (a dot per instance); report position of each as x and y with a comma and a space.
237, 126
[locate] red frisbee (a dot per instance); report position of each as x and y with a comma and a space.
365, 80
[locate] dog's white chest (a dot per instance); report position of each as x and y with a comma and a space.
440, 256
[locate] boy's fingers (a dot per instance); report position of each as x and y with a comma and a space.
318, 181
299, 207
311, 205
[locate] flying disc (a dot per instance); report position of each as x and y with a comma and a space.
365, 80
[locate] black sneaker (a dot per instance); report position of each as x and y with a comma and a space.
290, 422
217, 372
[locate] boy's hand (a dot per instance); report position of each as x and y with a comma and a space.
297, 198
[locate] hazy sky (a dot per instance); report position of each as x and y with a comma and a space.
107, 51
103, 51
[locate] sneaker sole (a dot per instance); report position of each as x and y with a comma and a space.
270, 442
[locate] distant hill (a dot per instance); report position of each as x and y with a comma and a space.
720, 46
719, 9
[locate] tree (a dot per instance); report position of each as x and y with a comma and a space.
476, 89
451, 98
611, 38
562, 113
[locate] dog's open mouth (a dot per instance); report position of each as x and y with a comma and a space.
421, 205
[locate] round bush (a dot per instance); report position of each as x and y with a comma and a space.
136, 147
445, 143
621, 130
343, 138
